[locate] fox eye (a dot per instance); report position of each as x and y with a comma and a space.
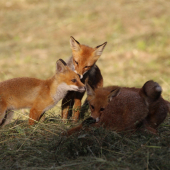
92, 107
74, 80
76, 62
101, 109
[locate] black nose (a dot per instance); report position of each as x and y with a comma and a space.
78, 75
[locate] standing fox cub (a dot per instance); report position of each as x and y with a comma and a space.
122, 108
82, 62
39, 95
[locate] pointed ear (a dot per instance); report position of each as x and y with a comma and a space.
90, 91
61, 66
113, 93
75, 45
100, 48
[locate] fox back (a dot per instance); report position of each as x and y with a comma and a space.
120, 109
129, 107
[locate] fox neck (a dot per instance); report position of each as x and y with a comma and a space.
58, 90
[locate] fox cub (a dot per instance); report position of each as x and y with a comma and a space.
82, 62
39, 95
122, 108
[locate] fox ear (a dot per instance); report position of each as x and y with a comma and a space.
61, 66
100, 48
90, 91
75, 45
113, 93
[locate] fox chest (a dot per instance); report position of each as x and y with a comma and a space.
55, 98
57, 95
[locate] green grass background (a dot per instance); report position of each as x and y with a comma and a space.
34, 34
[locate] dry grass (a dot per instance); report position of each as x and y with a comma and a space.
42, 147
35, 33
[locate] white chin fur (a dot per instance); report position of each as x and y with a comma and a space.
81, 76
66, 87
81, 90
75, 88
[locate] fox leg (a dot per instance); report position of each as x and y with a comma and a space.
72, 130
85, 125
84, 109
2, 117
35, 115
77, 105
3, 108
8, 117
148, 126
67, 102
151, 130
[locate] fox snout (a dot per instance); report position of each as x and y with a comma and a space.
80, 76
80, 73
96, 118
82, 89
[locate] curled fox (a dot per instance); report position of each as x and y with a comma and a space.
39, 95
122, 108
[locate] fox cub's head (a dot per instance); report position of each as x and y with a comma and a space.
68, 78
99, 99
84, 57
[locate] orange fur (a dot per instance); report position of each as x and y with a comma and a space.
39, 95
82, 62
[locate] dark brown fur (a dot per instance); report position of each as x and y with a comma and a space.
158, 107
129, 108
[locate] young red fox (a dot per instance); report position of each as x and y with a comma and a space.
125, 108
39, 95
82, 62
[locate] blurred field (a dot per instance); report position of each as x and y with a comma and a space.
34, 34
